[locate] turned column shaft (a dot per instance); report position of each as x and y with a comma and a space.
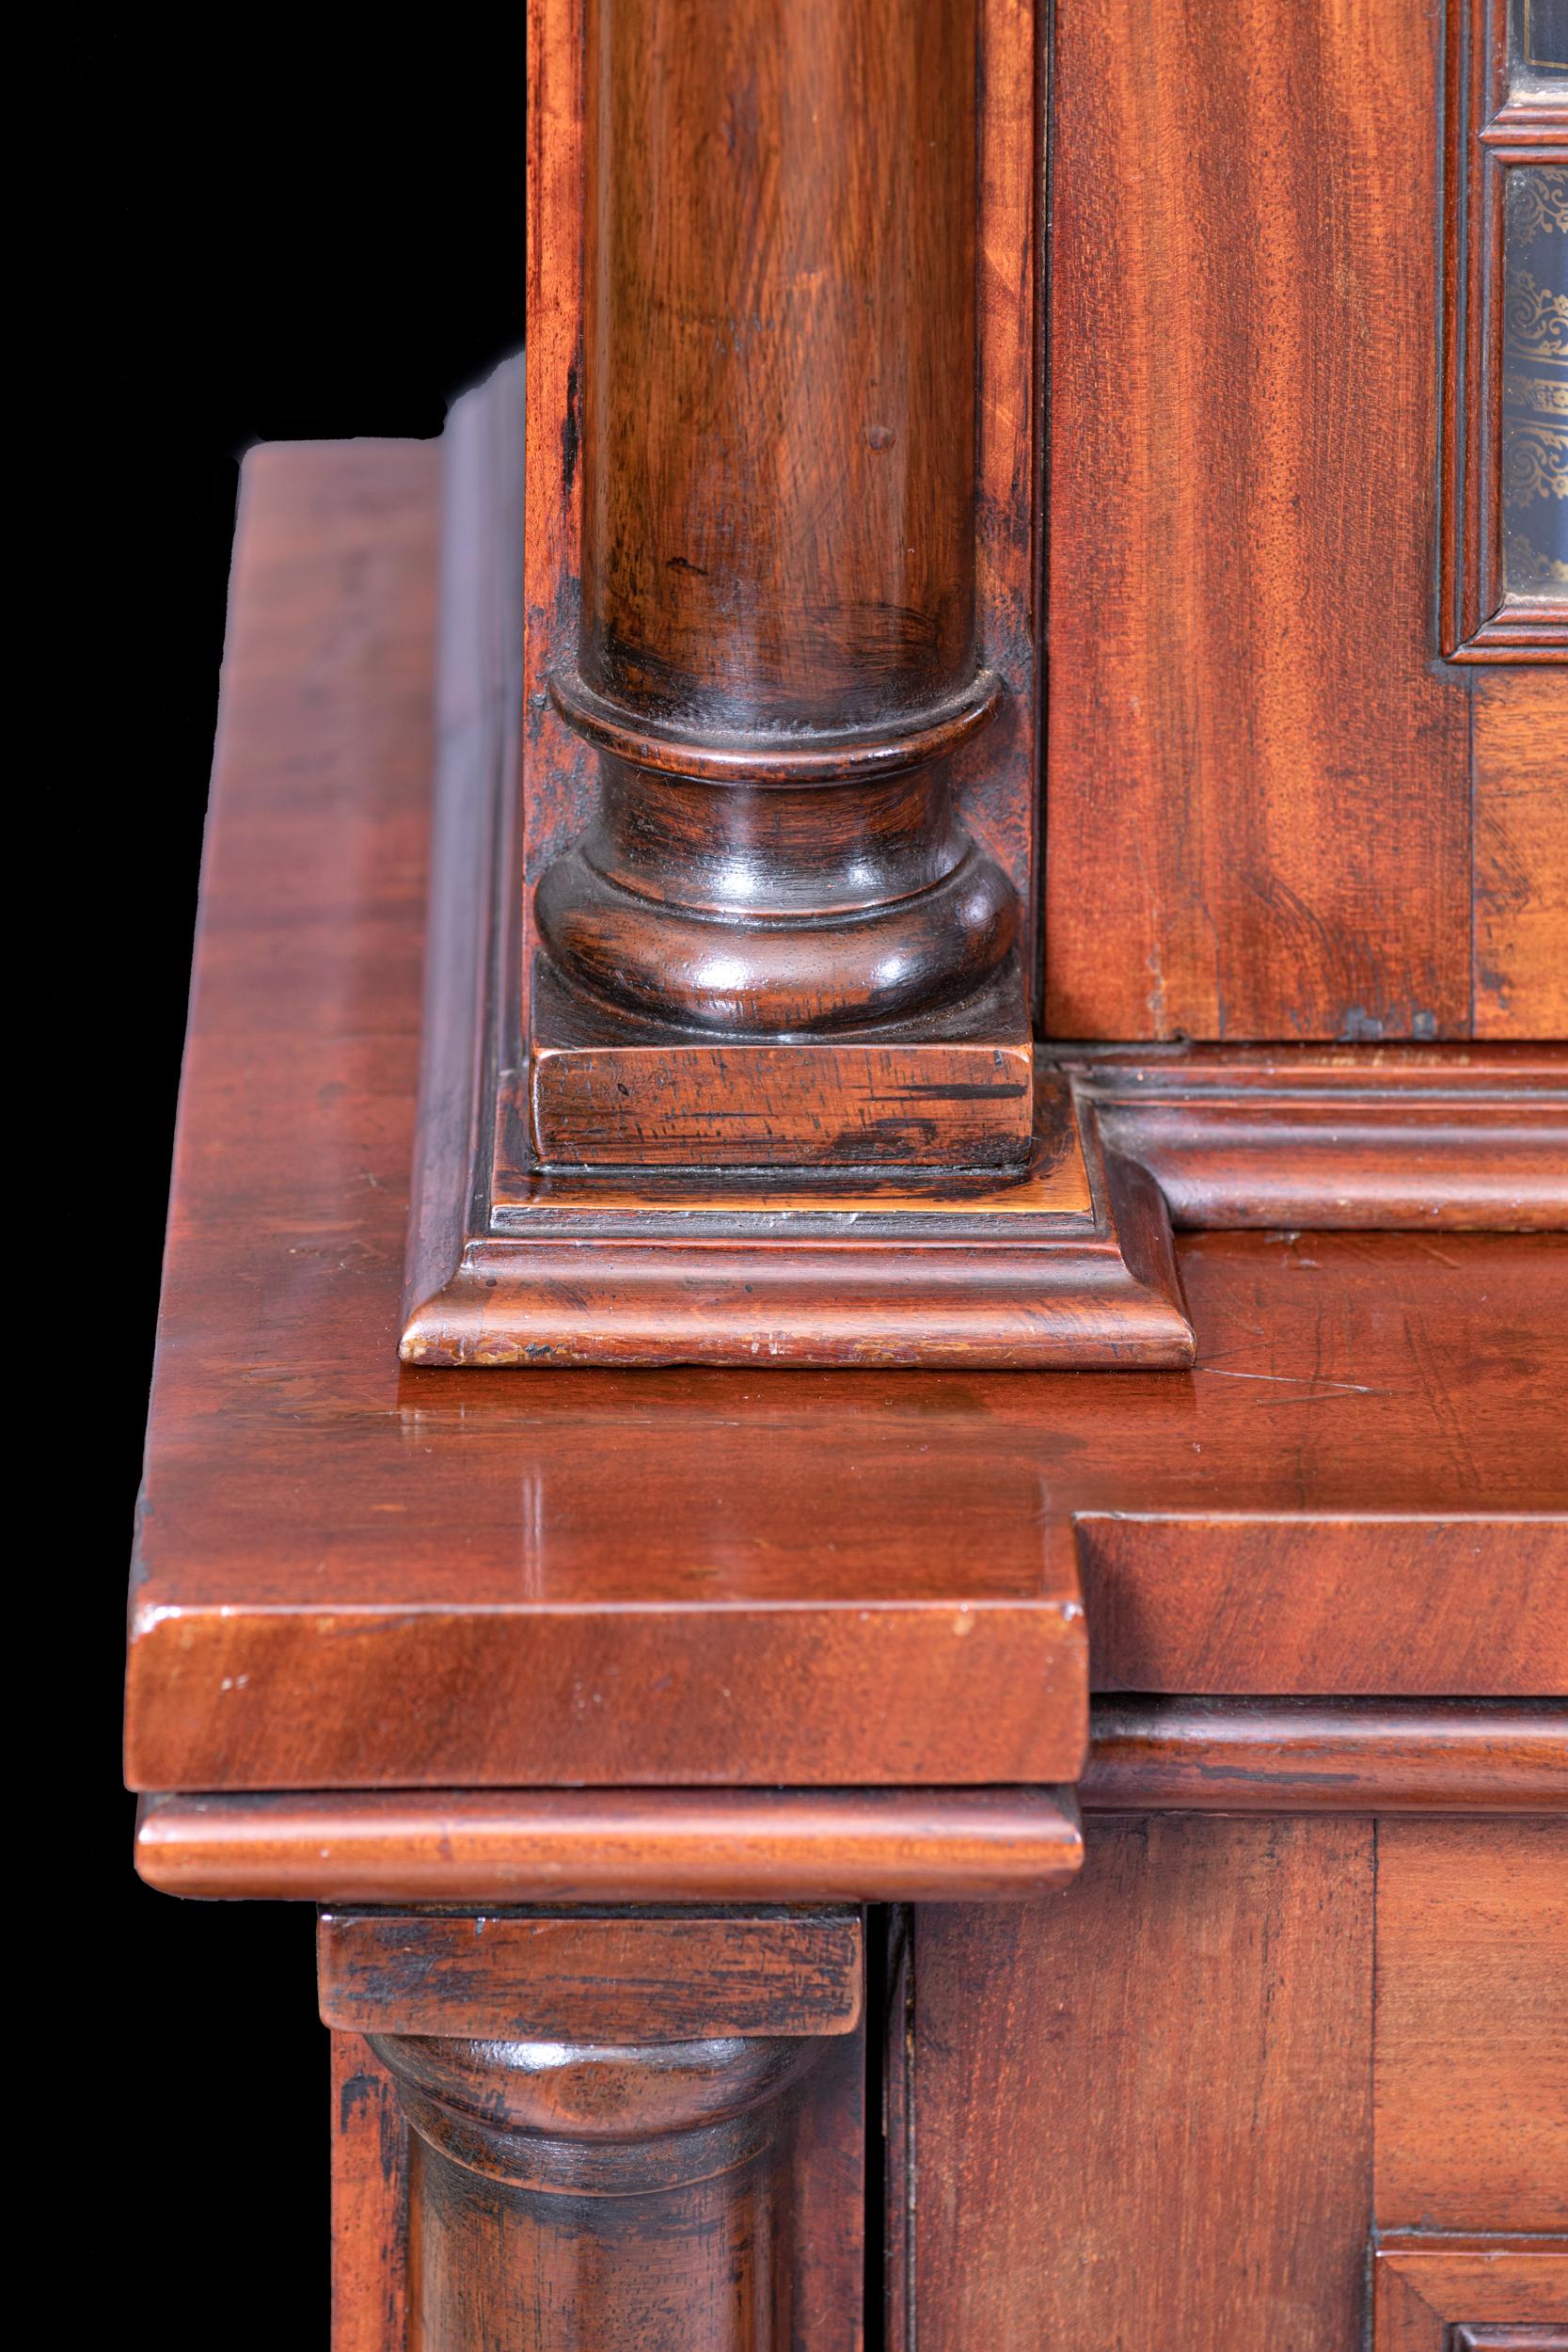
778, 367
578, 2199
777, 650
628, 2131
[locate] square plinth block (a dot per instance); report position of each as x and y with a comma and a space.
609, 1089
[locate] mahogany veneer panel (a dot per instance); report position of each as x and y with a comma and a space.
1142, 2109
1281, 1606
351, 1574
1521, 853
1472, 2026
1258, 810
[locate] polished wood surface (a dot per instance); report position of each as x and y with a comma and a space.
838, 1822
1420, 1597
1146, 2103
1382, 1757
1180, 2103
1246, 235
599, 2174
802, 161
1472, 2293
1322, 1138
1312, 1756
1520, 723
855, 325
350, 1573
1471, 2080
777, 653
478, 1975
511, 1264
381, 1845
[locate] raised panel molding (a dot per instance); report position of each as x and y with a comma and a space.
1494, 133
1470, 2295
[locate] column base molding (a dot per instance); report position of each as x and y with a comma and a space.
1064, 1260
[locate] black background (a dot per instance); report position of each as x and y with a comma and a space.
262, 225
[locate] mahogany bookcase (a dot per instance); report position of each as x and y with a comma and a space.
860, 1447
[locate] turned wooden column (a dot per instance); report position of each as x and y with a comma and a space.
777, 654
562, 2197
616, 2129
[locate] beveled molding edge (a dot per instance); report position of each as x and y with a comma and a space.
756, 1270
1318, 1139
612, 1846
504, 1846
832, 1266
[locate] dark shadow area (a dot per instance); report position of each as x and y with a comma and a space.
291, 225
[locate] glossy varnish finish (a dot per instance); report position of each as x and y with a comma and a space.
1427, 1139
1472, 2046
615, 1846
777, 653
589, 1263
1314, 1755
611, 1578
762, 190
1241, 539
1141, 2111
611, 2179
1066, 1258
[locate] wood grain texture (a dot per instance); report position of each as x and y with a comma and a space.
352, 1574
779, 515
553, 2196
777, 651
1520, 777
1308, 1756
407, 1846
504, 1975
506, 1265
1286, 1606
736, 216
1142, 2111
369, 2203
1470, 2295
620, 2129
1257, 783
322, 1015
607, 1091
566, 2197
1472, 2026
